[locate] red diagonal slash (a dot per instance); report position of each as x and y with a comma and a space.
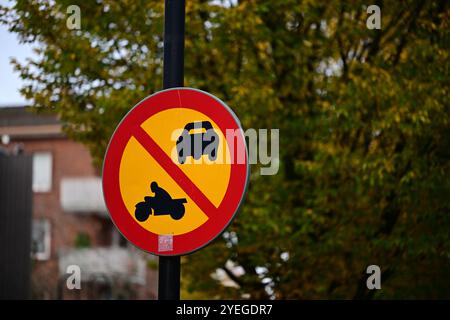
175, 172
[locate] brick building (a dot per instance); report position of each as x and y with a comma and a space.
70, 223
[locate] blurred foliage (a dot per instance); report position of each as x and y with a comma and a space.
152, 264
82, 240
363, 118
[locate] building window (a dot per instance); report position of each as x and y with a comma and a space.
42, 172
40, 245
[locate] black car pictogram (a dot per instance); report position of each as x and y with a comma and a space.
192, 143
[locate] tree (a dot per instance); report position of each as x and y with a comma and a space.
363, 118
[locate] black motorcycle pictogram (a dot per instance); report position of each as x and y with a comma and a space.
161, 204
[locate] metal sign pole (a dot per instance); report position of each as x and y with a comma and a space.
174, 17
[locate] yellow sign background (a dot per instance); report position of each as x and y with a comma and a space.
138, 169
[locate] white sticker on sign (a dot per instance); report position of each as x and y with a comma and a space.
165, 242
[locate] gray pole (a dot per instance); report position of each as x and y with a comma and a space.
174, 16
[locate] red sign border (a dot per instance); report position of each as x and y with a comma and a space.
196, 239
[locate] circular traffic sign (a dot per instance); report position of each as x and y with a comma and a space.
175, 171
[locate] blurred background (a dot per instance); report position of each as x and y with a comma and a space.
363, 115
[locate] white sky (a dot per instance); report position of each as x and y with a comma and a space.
10, 83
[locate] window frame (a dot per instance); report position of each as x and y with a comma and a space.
37, 188
46, 254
